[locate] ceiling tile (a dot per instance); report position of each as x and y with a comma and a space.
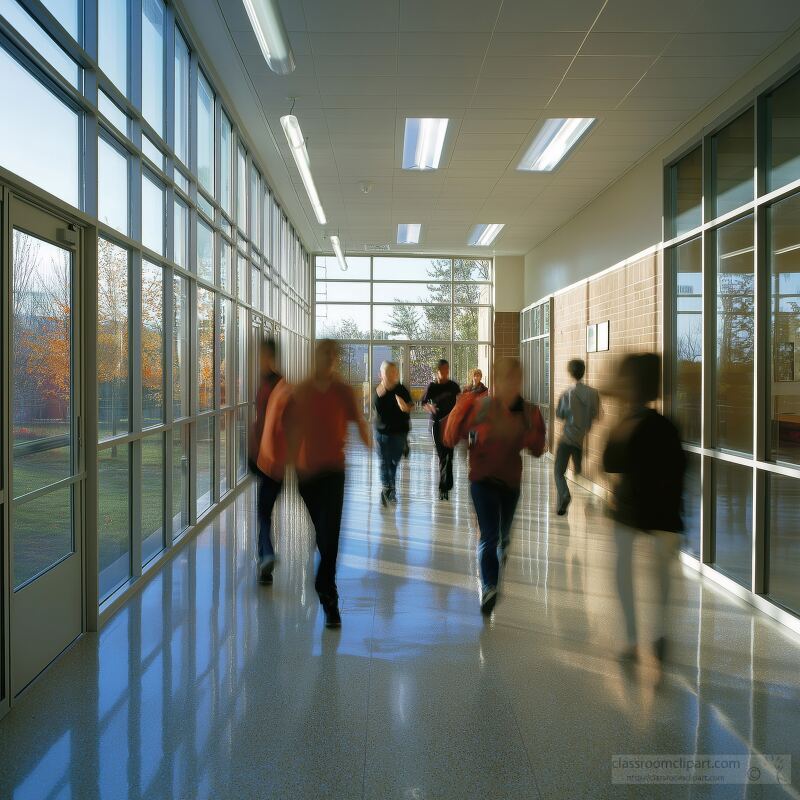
362, 85
346, 44
525, 66
426, 43
356, 66
567, 15
625, 44
419, 85
587, 87
700, 67
767, 15
723, 44
680, 87
291, 11
629, 67
496, 125
444, 15
367, 16
522, 87
440, 66
552, 43
638, 16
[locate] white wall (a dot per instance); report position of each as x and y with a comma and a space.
509, 283
627, 217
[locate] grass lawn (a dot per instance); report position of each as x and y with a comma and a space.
42, 527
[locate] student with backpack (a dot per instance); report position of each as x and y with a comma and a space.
579, 407
503, 425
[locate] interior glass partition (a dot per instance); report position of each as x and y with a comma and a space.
733, 322
534, 332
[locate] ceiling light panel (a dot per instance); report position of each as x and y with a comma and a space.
337, 249
556, 138
483, 235
265, 17
297, 144
408, 232
424, 142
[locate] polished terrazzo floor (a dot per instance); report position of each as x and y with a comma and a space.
207, 685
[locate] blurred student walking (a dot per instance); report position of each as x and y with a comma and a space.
393, 404
269, 485
319, 414
579, 407
503, 425
438, 401
645, 451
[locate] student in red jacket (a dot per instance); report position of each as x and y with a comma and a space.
317, 421
503, 425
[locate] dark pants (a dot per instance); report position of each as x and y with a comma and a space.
445, 455
324, 496
495, 504
564, 452
390, 447
268, 491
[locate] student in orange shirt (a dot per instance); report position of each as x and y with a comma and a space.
503, 424
321, 408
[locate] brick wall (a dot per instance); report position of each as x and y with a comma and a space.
506, 334
629, 297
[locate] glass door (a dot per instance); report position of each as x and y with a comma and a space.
45, 462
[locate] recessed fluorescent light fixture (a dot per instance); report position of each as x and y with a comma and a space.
484, 235
297, 144
337, 248
265, 17
553, 143
423, 143
408, 232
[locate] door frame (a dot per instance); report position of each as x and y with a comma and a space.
84, 400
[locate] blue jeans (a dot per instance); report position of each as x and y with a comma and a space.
495, 504
268, 491
390, 447
564, 452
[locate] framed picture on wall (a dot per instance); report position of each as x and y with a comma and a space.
602, 336
591, 338
784, 362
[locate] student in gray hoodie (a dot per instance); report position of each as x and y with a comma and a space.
579, 407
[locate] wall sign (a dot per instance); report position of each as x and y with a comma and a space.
591, 338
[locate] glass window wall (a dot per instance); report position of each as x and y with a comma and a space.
172, 439
739, 409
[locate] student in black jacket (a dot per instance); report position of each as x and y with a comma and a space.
645, 451
392, 403
439, 400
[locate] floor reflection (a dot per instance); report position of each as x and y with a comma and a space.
207, 685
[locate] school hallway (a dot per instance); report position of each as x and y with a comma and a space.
207, 685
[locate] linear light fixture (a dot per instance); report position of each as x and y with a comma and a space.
483, 235
265, 17
337, 249
423, 142
408, 232
553, 142
297, 144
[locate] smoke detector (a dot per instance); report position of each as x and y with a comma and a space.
365, 186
